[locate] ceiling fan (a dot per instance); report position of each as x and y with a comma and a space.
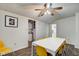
48, 9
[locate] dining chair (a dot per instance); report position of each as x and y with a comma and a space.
3, 49
60, 49
40, 51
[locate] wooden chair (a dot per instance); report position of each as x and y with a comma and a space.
4, 50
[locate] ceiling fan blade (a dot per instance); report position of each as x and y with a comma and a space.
45, 5
54, 12
58, 8
42, 12
38, 9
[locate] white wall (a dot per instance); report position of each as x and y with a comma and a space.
77, 31
42, 29
15, 38
67, 28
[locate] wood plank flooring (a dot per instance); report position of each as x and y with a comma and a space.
28, 52
21, 52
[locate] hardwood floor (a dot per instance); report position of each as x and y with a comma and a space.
27, 52
21, 52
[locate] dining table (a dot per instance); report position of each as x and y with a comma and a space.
51, 44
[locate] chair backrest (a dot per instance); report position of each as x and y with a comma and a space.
60, 49
40, 51
1, 44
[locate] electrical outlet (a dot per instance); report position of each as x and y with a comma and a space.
14, 43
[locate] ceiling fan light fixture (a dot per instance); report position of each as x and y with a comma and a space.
48, 9
47, 12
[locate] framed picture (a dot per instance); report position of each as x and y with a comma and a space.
11, 21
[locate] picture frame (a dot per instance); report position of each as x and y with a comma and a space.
11, 21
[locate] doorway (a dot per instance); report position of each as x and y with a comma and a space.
31, 33
54, 29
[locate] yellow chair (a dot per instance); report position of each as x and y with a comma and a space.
4, 50
40, 51
60, 49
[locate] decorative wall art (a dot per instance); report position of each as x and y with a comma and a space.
11, 21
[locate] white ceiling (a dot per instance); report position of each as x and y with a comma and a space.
27, 9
